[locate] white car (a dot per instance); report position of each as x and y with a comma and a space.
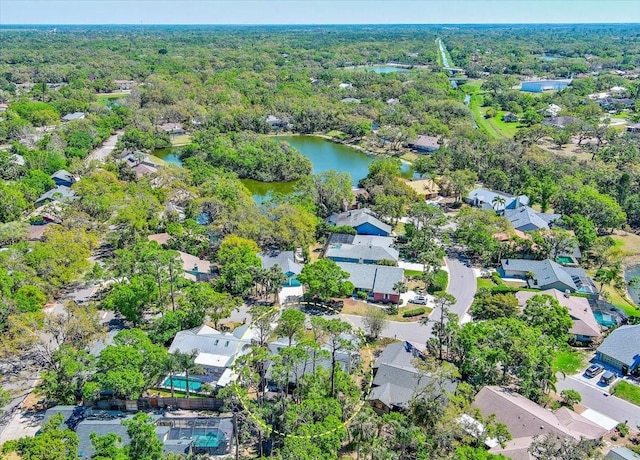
419, 300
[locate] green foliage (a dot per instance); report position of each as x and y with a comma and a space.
51, 443
131, 297
64, 382
489, 304
546, 313
570, 397
143, 441
414, 312
497, 279
439, 282
237, 256
29, 299
324, 279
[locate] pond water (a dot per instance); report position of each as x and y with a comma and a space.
387, 69
629, 273
324, 155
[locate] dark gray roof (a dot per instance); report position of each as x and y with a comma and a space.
623, 344
101, 427
581, 280
560, 122
358, 217
396, 379
64, 175
59, 193
361, 252
545, 272
525, 217
376, 278
284, 259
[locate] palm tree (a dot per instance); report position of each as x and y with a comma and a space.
274, 277
497, 202
171, 365
187, 364
399, 288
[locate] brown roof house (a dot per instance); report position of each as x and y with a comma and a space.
585, 327
525, 419
195, 269
425, 188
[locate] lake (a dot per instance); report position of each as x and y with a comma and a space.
324, 155
387, 69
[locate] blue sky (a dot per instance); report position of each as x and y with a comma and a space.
316, 11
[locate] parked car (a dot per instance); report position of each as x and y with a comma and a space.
607, 378
593, 370
419, 300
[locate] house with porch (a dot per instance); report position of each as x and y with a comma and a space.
286, 260
61, 194
621, 349
360, 249
396, 381
585, 328
547, 274
425, 144
424, 188
362, 220
64, 177
527, 219
377, 281
498, 201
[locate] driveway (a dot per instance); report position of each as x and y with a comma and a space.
462, 285
599, 400
101, 153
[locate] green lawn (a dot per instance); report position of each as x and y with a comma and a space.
628, 392
485, 283
569, 362
413, 273
106, 99
181, 140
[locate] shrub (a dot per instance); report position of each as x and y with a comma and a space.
439, 283
623, 429
495, 277
392, 309
362, 295
414, 312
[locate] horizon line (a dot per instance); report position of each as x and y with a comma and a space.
326, 24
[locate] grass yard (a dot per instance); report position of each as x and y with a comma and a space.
485, 283
178, 141
568, 362
106, 99
355, 307
412, 273
628, 392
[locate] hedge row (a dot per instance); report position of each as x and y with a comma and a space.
414, 312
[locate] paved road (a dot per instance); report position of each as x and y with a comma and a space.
600, 401
101, 153
462, 285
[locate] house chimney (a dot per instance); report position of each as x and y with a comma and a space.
567, 293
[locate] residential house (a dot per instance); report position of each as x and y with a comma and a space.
286, 260
360, 253
393, 101
179, 435
634, 128
527, 219
64, 177
377, 281
125, 85
547, 274
36, 232
74, 116
348, 360
560, 122
396, 381
425, 144
140, 163
621, 349
362, 240
16, 159
622, 453
426, 188
585, 328
510, 117
552, 110
345, 85
274, 122
525, 419
195, 269
351, 100
611, 103
60, 194
362, 220
216, 351
497, 201
172, 129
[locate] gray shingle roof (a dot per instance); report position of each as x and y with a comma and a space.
59, 193
483, 198
376, 278
212, 342
623, 344
361, 252
622, 453
545, 272
73, 116
396, 379
358, 217
284, 259
524, 218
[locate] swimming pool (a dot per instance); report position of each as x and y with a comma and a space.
180, 383
605, 319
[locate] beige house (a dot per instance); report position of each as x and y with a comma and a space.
426, 188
